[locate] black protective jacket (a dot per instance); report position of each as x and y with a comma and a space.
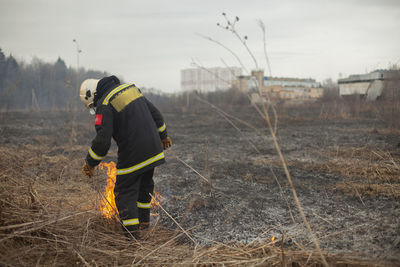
135, 124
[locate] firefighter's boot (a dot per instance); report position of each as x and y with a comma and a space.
132, 232
144, 218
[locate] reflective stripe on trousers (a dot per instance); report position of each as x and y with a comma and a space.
130, 222
143, 205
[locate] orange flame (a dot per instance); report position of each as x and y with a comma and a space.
155, 202
107, 206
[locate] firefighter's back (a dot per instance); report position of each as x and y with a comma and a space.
134, 129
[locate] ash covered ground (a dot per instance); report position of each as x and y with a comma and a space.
345, 173
249, 198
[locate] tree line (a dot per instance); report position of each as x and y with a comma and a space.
40, 85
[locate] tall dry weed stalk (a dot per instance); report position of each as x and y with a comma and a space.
230, 25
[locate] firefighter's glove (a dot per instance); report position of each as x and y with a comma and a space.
87, 170
166, 143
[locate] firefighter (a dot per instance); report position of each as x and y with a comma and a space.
138, 128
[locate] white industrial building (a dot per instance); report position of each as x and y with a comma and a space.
368, 85
208, 79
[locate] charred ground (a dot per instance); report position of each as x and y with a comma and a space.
346, 174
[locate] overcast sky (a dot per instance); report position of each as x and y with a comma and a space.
149, 42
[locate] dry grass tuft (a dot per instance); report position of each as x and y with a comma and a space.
366, 189
365, 170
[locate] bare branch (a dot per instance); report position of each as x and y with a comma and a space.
262, 26
231, 27
226, 48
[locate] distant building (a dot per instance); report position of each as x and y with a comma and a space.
208, 80
278, 88
368, 85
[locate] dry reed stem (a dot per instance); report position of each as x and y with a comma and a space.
190, 167
231, 27
40, 226
226, 116
352, 229
198, 65
172, 218
220, 244
158, 248
262, 27
284, 197
80, 257
226, 48
288, 176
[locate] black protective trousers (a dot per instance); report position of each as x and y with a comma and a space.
131, 191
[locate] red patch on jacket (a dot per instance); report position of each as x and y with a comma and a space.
99, 119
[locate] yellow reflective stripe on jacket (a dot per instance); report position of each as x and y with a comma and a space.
141, 165
130, 222
143, 205
94, 155
113, 92
125, 98
162, 128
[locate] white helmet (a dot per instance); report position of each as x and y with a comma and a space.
88, 89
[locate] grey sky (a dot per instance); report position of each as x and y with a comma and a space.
149, 42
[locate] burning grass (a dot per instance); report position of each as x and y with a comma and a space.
50, 215
108, 207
